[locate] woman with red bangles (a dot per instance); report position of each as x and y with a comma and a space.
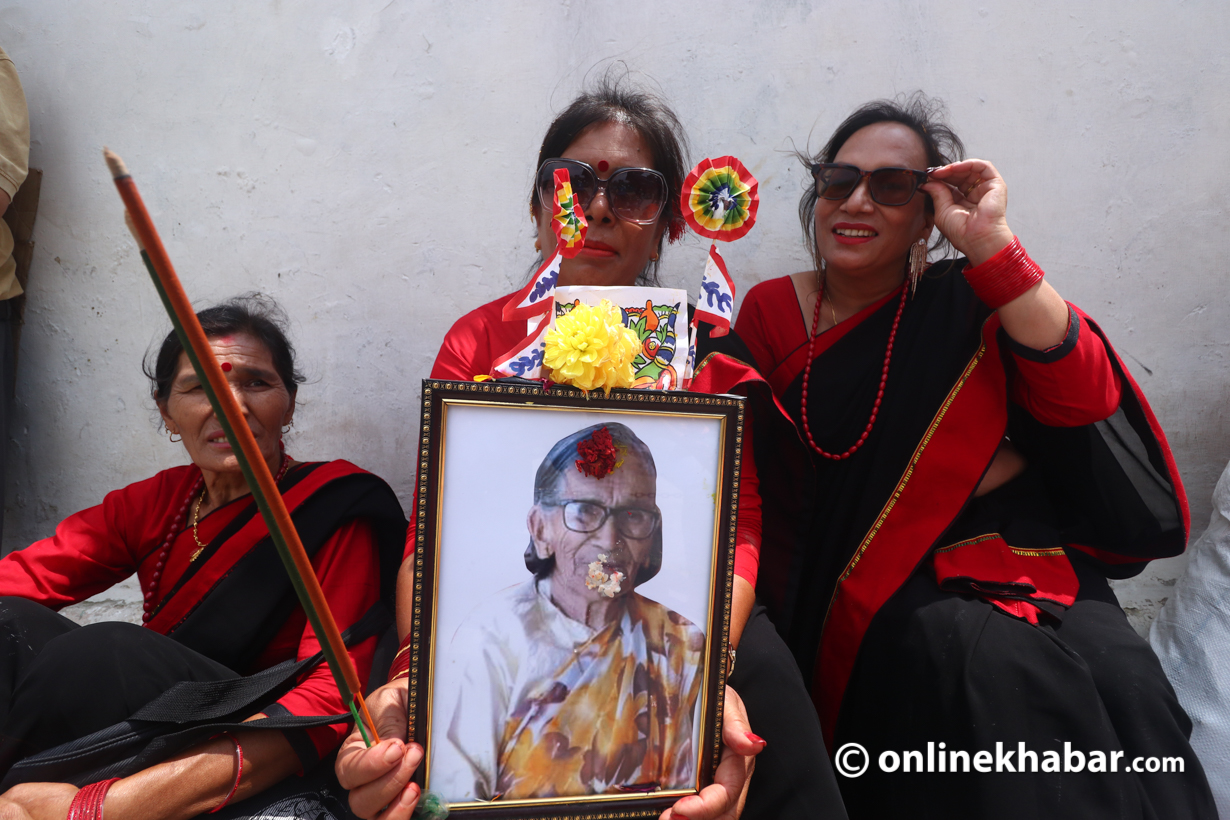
973, 462
624, 152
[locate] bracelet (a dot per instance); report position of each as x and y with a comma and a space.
1004, 276
400, 668
238, 770
88, 801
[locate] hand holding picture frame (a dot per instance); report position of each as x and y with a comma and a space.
572, 597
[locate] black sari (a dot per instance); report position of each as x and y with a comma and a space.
901, 656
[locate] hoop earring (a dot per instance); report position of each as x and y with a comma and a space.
918, 261
171, 438
288, 427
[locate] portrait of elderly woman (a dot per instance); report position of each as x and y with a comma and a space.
570, 682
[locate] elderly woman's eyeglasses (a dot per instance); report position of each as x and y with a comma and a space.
634, 194
589, 516
887, 186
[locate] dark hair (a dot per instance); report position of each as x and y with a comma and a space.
612, 100
562, 458
925, 116
252, 313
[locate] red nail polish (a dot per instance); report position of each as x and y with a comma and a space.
755, 738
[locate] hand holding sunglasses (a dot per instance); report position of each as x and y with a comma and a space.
971, 200
633, 194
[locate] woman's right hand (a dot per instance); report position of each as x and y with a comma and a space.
379, 778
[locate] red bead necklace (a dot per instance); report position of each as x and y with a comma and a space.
177, 526
888, 353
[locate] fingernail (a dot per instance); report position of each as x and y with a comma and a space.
755, 738
392, 754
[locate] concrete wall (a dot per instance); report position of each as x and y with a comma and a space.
367, 161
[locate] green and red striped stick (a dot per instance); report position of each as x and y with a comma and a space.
243, 443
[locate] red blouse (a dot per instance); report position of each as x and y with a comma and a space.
476, 339
97, 548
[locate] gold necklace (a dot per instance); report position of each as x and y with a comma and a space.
196, 511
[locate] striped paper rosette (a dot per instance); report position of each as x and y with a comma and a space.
719, 199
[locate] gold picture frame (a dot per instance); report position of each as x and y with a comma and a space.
479, 447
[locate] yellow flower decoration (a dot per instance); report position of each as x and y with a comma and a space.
590, 348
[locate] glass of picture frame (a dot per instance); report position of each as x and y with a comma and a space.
573, 567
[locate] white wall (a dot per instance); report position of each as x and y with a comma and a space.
367, 162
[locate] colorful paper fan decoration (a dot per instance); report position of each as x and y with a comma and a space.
719, 199
568, 221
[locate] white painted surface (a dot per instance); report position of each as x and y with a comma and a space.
367, 162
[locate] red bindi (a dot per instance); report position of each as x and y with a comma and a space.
226, 367
603, 165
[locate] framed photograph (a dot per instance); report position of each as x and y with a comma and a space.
572, 597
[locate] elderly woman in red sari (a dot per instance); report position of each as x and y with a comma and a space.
217, 605
624, 152
974, 462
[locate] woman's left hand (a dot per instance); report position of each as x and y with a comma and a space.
40, 801
971, 199
723, 799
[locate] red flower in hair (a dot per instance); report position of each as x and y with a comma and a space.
598, 454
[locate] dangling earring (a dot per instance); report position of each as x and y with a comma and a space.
538, 245
171, 437
288, 427
918, 261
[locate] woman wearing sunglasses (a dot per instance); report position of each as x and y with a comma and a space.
980, 463
624, 153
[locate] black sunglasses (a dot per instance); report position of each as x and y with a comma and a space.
887, 186
634, 194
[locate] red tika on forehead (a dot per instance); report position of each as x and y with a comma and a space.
226, 367
597, 454
603, 165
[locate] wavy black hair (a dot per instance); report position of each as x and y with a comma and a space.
613, 99
252, 313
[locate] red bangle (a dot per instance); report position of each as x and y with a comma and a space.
400, 668
1004, 276
238, 770
88, 801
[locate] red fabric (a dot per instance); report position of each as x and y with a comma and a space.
1079, 388
478, 337
474, 341
989, 567
767, 325
97, 548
